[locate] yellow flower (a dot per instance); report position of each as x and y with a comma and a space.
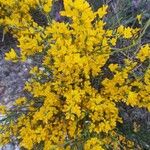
127, 33
132, 99
20, 101
102, 11
11, 55
113, 67
144, 52
47, 6
113, 41
93, 144
2, 109
120, 29
139, 18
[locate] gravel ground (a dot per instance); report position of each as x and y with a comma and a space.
12, 78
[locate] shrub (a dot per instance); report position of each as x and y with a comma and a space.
64, 110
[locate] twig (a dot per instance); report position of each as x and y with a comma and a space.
135, 43
3, 37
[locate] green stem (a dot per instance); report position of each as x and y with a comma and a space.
137, 42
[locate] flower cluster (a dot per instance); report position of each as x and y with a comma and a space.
64, 110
